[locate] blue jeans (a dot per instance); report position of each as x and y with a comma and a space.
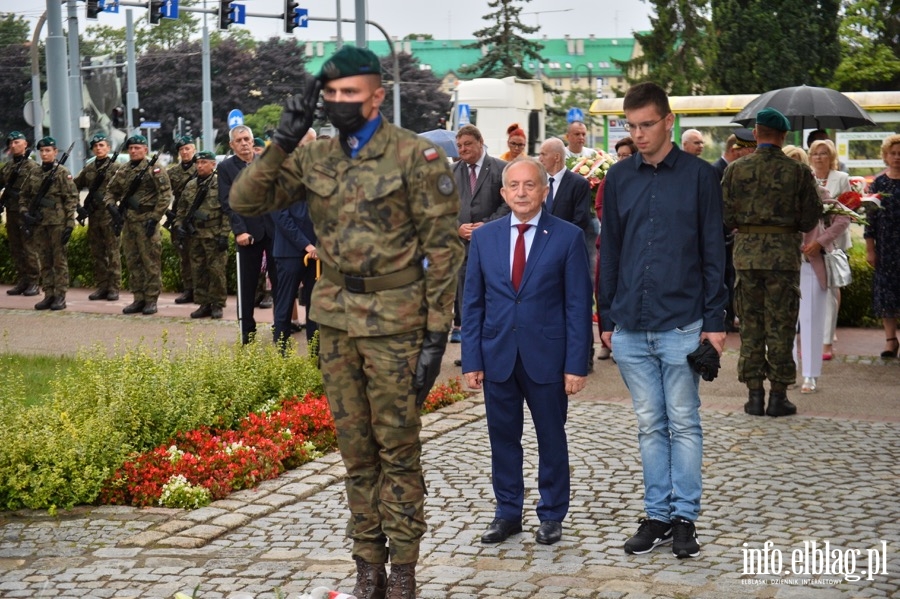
666, 398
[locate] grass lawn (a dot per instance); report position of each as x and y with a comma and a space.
36, 373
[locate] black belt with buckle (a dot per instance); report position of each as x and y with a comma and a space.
357, 284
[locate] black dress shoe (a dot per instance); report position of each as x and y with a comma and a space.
18, 289
100, 294
500, 530
112, 295
45, 303
549, 533
266, 302
59, 302
185, 298
149, 308
134, 307
31, 290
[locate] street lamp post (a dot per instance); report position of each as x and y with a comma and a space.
590, 79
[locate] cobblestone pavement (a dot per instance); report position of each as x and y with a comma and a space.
790, 481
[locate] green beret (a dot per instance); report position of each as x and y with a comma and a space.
258, 142
771, 118
46, 142
205, 155
97, 138
184, 140
350, 61
14, 135
136, 140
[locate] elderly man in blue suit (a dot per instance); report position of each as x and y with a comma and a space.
526, 304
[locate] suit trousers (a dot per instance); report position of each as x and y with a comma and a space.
548, 405
291, 273
250, 266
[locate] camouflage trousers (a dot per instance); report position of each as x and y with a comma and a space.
106, 255
187, 265
47, 240
24, 254
208, 263
368, 381
767, 302
143, 256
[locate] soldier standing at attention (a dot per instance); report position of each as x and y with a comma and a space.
102, 240
770, 199
382, 200
179, 174
53, 224
203, 224
12, 177
143, 205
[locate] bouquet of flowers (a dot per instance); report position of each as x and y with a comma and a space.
855, 204
593, 169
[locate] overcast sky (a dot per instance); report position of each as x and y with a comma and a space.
449, 19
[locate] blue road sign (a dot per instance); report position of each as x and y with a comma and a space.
301, 17
111, 6
239, 14
151, 125
235, 118
169, 9
574, 114
465, 114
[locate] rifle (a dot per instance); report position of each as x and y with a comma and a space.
85, 211
119, 210
187, 227
8, 191
33, 216
172, 213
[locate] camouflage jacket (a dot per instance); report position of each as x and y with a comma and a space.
383, 211
211, 219
179, 176
85, 179
769, 189
152, 197
58, 205
14, 192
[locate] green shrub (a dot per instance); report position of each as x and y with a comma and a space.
58, 453
856, 298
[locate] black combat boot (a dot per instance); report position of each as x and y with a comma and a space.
202, 312
371, 580
59, 302
756, 403
779, 405
134, 307
215, 312
31, 290
45, 303
402, 582
100, 294
149, 308
185, 298
18, 289
112, 295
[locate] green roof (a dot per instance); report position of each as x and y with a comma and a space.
562, 57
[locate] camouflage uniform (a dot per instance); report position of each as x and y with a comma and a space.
143, 253
179, 177
212, 225
379, 213
56, 213
106, 255
770, 199
24, 254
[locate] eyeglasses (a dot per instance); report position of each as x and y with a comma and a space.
642, 126
621, 156
515, 145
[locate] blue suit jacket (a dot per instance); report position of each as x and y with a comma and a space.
293, 231
547, 322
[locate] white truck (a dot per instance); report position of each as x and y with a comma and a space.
492, 105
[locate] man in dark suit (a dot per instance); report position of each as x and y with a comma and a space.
252, 234
531, 269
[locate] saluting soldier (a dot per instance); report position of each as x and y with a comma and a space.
138, 208
12, 177
382, 200
180, 173
203, 224
51, 222
103, 242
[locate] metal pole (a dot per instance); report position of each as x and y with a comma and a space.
131, 96
76, 100
56, 75
209, 137
361, 24
36, 78
340, 37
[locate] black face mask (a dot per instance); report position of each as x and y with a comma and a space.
347, 117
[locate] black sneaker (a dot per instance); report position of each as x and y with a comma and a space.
650, 534
684, 536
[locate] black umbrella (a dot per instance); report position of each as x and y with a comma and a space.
808, 108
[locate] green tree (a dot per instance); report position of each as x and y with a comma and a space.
422, 102
675, 50
264, 119
760, 45
14, 29
15, 72
99, 40
582, 98
169, 33
870, 59
507, 48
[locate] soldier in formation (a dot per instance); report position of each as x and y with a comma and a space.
48, 203
106, 256
180, 174
12, 177
137, 198
203, 224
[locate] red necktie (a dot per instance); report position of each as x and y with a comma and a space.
518, 267
473, 178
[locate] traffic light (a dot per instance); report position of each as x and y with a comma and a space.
93, 9
137, 117
290, 15
226, 16
118, 117
156, 8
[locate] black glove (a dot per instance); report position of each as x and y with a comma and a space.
66, 235
82, 213
429, 365
705, 361
150, 227
222, 243
297, 117
117, 220
30, 220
